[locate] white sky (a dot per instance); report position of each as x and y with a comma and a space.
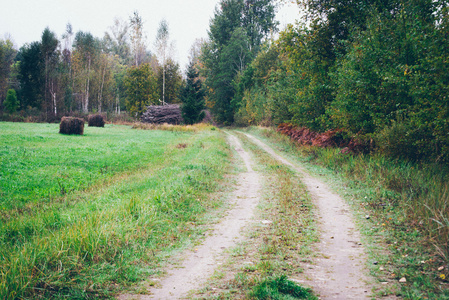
25, 20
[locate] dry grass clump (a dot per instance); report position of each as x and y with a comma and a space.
96, 120
170, 127
71, 125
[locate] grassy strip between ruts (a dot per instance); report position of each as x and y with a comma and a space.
266, 264
90, 243
395, 204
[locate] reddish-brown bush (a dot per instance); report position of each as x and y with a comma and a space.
95, 120
330, 138
71, 125
305, 136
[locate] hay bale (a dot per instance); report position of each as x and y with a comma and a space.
71, 125
95, 120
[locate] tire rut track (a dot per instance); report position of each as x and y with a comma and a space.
199, 264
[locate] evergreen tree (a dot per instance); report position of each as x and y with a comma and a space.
11, 104
192, 97
31, 75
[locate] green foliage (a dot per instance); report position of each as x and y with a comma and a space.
236, 33
309, 60
7, 54
256, 102
192, 97
141, 89
373, 69
279, 288
31, 77
173, 81
11, 103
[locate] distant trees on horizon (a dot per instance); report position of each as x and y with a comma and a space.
83, 73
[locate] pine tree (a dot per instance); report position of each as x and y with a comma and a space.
11, 104
192, 97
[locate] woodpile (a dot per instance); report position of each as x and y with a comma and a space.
160, 114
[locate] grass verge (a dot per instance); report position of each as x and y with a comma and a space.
267, 264
118, 228
402, 209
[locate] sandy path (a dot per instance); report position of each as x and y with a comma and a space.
199, 263
339, 272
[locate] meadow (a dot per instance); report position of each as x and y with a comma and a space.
86, 216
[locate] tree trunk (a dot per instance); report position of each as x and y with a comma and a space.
100, 95
163, 83
86, 103
53, 95
117, 102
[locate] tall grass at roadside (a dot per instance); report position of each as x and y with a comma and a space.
408, 204
91, 243
176, 128
419, 191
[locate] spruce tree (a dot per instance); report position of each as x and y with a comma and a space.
11, 103
192, 97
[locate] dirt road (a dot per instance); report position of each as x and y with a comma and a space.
339, 271
199, 263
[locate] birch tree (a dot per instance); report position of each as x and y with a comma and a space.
162, 46
137, 39
85, 52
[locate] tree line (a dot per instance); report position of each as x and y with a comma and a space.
80, 73
378, 71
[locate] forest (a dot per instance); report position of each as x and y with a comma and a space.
375, 72
81, 73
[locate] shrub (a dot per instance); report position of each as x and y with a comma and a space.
280, 288
95, 120
11, 103
71, 125
405, 139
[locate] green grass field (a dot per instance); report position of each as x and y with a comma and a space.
84, 216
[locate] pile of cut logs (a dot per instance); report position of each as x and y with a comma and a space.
160, 114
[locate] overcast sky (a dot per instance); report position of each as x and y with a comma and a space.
188, 20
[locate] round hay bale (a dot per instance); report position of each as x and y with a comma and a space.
95, 120
71, 125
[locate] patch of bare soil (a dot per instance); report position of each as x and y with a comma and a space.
199, 263
339, 271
